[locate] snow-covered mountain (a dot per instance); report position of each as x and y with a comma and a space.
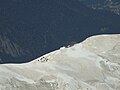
93, 64
32, 28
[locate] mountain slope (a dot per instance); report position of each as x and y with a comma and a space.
9, 48
89, 65
107, 5
41, 26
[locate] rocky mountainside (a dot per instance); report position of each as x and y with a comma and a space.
31, 28
93, 64
10, 50
109, 5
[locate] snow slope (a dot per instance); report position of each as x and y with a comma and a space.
93, 64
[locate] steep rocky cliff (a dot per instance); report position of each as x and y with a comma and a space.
31, 28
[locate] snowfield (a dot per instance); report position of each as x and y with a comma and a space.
93, 64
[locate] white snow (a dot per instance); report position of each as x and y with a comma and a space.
80, 67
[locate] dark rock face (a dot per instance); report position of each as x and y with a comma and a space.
109, 5
10, 48
29, 29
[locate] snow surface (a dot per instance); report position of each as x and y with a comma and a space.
90, 65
